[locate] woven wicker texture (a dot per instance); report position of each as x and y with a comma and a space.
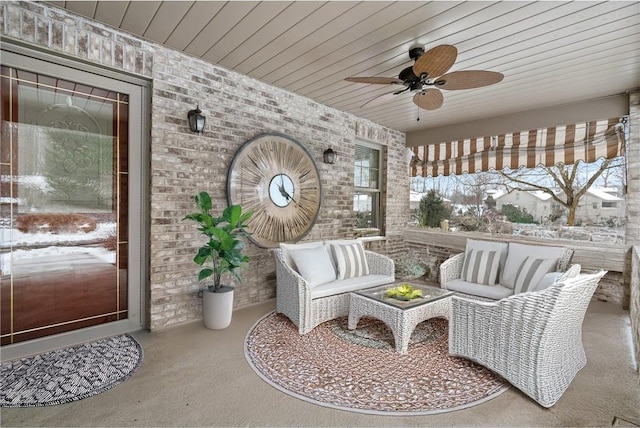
533, 340
293, 293
402, 322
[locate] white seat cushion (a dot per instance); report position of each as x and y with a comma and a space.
518, 253
350, 284
495, 292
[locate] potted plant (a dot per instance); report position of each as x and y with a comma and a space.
221, 254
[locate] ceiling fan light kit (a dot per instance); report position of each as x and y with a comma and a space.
429, 71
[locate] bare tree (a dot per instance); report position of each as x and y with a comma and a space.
472, 190
614, 176
572, 181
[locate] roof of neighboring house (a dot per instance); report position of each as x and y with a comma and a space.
606, 194
417, 196
543, 196
603, 193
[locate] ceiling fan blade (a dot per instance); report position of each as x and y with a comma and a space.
382, 98
435, 62
429, 99
468, 79
375, 80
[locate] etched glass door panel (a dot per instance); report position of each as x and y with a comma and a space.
63, 233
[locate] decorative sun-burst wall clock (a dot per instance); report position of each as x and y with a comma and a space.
276, 177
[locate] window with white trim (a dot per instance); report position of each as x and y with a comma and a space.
367, 181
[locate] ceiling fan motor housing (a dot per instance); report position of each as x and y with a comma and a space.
410, 80
415, 53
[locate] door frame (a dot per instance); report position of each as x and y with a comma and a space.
21, 56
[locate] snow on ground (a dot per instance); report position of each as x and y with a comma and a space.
25, 256
30, 181
16, 238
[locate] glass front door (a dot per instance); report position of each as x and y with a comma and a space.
63, 204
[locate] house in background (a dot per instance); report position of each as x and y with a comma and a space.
596, 206
601, 205
535, 202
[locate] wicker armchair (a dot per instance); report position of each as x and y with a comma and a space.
533, 340
294, 297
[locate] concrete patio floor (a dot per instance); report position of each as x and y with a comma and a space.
192, 376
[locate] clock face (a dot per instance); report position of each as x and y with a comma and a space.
281, 190
276, 178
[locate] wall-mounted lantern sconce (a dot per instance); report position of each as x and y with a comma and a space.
329, 156
196, 120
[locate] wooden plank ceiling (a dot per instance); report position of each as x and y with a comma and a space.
551, 53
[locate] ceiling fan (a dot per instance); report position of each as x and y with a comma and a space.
427, 74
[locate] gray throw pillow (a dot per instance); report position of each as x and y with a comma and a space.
481, 267
531, 272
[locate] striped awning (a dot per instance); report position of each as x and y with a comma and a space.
587, 141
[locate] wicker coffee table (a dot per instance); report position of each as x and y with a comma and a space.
401, 316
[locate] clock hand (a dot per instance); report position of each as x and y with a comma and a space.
286, 194
283, 192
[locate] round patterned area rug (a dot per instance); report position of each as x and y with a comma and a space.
69, 374
359, 370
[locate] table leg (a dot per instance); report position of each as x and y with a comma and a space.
353, 320
403, 337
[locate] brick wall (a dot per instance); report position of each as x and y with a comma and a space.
182, 163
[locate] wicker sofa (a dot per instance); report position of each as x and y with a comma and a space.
320, 292
492, 270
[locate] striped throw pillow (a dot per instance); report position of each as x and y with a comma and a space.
350, 260
481, 267
531, 272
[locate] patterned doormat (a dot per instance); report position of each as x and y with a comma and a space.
360, 371
69, 374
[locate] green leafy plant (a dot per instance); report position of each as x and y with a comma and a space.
516, 214
404, 292
432, 210
224, 246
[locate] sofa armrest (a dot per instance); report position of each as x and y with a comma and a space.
293, 292
565, 260
451, 269
503, 335
380, 264
571, 272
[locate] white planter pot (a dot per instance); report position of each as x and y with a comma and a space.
217, 308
